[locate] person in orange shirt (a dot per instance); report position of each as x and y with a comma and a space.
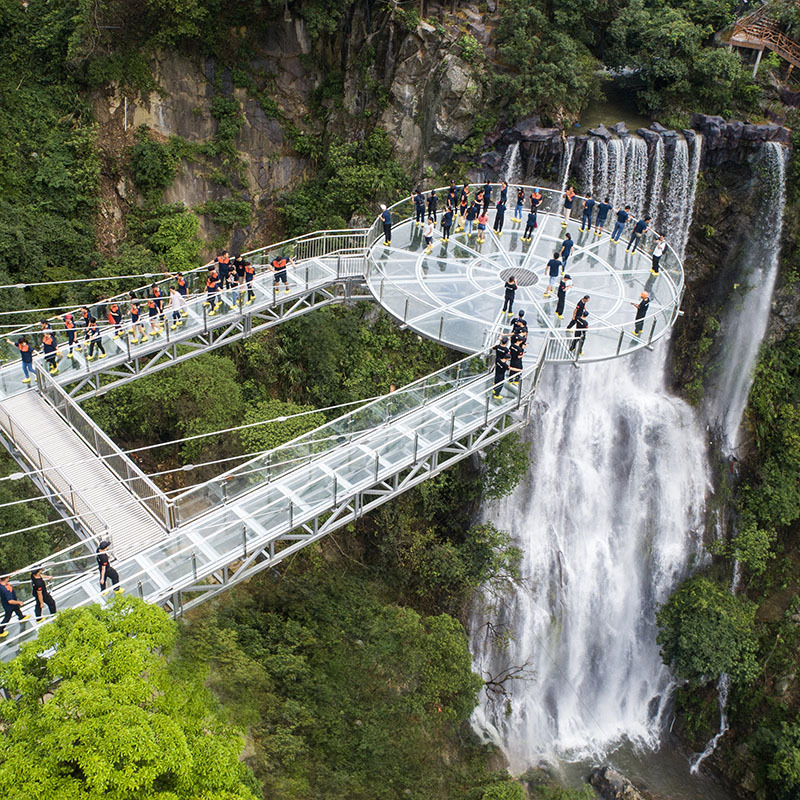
136, 325
115, 319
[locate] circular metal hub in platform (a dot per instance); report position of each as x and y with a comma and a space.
455, 292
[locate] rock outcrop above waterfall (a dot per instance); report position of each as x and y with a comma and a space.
612, 785
734, 141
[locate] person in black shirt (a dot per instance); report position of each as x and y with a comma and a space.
487, 196
8, 598
641, 312
581, 325
499, 216
515, 353
565, 283
580, 307
508, 304
500, 366
419, 206
433, 202
106, 570
447, 223
40, 594
519, 326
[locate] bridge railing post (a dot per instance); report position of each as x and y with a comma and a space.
194, 565
244, 540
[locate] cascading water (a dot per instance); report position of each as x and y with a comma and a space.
604, 542
635, 175
656, 183
759, 260
587, 167
678, 191
609, 521
567, 162
512, 165
616, 171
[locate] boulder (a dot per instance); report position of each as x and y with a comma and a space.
649, 136
612, 785
601, 131
658, 128
620, 129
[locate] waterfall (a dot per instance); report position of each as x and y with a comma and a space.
635, 175
609, 519
616, 171
682, 185
723, 684
566, 162
604, 544
512, 165
601, 170
759, 258
656, 183
588, 166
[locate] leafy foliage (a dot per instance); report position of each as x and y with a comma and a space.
105, 716
705, 631
355, 176
265, 437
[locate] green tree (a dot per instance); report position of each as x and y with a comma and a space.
505, 464
705, 631
105, 715
509, 790
265, 437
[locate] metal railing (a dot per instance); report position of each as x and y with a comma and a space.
132, 477
305, 448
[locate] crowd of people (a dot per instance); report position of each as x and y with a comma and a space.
145, 315
466, 212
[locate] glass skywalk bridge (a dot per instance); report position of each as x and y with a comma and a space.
251, 517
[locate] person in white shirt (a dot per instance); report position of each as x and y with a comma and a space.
177, 305
428, 234
658, 251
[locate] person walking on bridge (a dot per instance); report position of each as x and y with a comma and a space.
639, 230
26, 354
115, 319
530, 227
386, 216
11, 605
69, 328
427, 235
136, 326
95, 339
569, 200
469, 220
419, 206
623, 214
658, 251
176, 305
515, 353
577, 313
279, 264
40, 594
519, 206
213, 301
501, 357
566, 249
106, 570
588, 207
563, 287
553, 269
510, 290
581, 326
50, 349
602, 214
487, 196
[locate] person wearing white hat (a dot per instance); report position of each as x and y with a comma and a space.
386, 216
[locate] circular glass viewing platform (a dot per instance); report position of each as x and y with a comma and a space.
454, 294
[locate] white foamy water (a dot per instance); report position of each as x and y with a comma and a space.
609, 519
512, 165
759, 258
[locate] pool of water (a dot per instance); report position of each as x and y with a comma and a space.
615, 103
664, 772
